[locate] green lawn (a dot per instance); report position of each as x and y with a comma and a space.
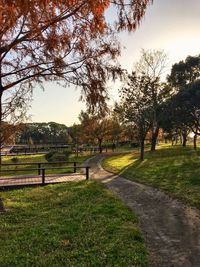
175, 170
72, 224
39, 158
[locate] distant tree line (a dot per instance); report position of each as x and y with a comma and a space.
43, 133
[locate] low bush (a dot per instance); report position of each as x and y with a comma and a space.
134, 144
57, 156
15, 160
49, 155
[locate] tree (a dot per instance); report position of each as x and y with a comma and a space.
115, 127
184, 72
152, 64
184, 109
9, 131
13, 114
69, 41
172, 120
76, 134
130, 133
190, 102
96, 127
135, 106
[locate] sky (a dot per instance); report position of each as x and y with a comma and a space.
171, 25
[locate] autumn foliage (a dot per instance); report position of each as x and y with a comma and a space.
67, 40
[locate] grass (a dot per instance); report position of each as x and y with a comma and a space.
73, 224
175, 170
37, 159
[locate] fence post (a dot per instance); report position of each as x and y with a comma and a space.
43, 176
39, 166
74, 167
87, 173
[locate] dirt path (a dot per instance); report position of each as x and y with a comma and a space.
171, 229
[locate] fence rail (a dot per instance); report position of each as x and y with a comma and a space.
32, 163
39, 164
41, 171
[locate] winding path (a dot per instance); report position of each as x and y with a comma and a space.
171, 229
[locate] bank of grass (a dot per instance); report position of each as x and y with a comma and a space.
175, 170
73, 224
38, 159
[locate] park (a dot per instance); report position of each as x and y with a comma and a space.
99, 133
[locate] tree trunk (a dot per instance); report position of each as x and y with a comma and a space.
195, 142
184, 139
176, 139
77, 151
100, 145
181, 139
142, 149
154, 139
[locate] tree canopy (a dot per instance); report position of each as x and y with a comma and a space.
67, 40
185, 72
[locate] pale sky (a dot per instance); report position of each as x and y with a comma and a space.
172, 25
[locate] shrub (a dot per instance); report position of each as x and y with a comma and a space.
15, 160
49, 155
57, 156
135, 144
67, 153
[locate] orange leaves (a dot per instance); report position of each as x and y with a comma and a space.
7, 14
48, 39
99, 6
39, 12
130, 13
